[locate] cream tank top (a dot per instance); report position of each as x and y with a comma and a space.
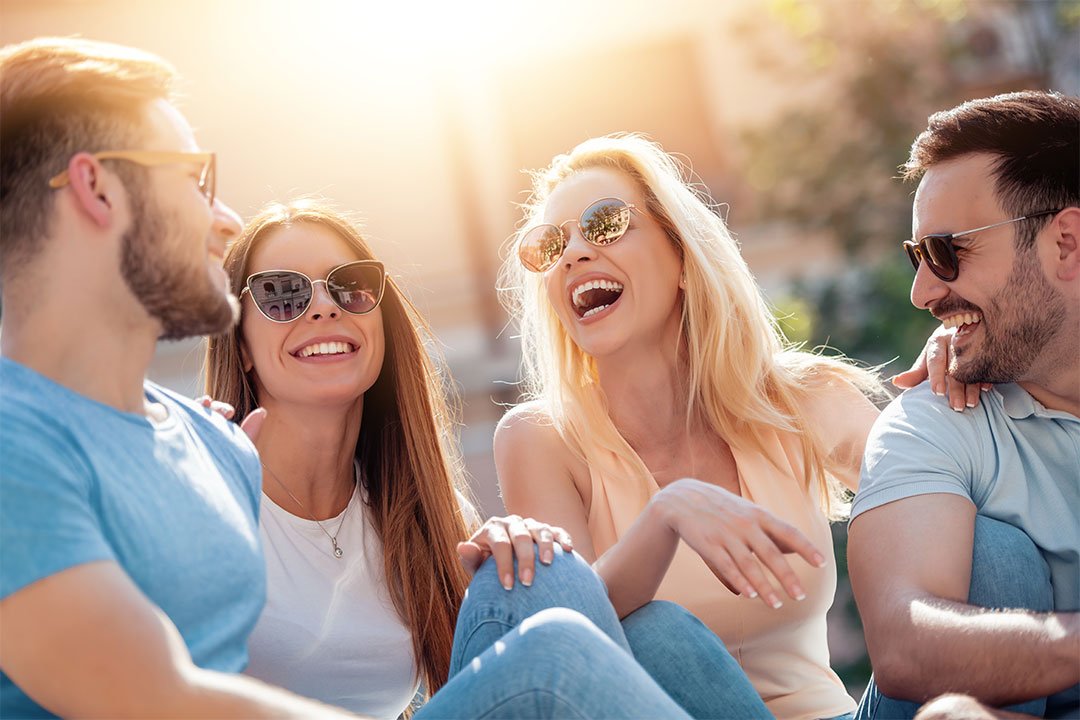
784, 652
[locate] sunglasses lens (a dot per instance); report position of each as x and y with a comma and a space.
938, 252
605, 221
281, 295
541, 247
356, 287
912, 254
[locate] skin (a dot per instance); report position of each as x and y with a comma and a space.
635, 344
314, 406
50, 646
923, 638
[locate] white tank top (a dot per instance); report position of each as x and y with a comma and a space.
329, 630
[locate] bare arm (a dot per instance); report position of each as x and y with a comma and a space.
923, 637
842, 416
734, 537
86, 643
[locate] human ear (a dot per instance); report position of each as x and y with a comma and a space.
1066, 226
94, 190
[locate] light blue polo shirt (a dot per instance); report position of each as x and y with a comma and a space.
1017, 461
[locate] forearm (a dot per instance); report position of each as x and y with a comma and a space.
212, 694
633, 567
999, 657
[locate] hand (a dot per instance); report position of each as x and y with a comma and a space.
252, 424
505, 537
735, 538
933, 362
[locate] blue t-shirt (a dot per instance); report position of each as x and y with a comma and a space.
1016, 461
174, 504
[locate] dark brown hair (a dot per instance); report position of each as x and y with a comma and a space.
1035, 137
407, 450
58, 97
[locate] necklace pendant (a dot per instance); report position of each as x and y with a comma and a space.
337, 551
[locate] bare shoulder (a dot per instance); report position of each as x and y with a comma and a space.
525, 427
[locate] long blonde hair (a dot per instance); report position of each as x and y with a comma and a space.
743, 377
407, 449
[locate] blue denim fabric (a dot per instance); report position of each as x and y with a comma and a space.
557, 649
1007, 571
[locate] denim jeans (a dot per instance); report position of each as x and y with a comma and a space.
1007, 571
557, 649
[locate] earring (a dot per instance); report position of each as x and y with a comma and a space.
682, 280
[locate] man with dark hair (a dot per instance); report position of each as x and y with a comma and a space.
964, 544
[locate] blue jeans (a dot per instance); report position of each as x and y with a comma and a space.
557, 649
1007, 571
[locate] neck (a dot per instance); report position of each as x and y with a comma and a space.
98, 354
646, 393
310, 450
1055, 378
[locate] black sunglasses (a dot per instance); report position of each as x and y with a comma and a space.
940, 255
284, 295
602, 223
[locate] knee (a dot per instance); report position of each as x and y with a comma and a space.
556, 632
1007, 569
661, 614
954, 707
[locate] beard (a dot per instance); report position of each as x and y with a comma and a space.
183, 298
1026, 315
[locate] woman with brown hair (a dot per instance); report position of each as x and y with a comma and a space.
362, 504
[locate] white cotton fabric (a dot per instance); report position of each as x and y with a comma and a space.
329, 630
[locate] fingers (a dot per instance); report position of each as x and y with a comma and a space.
252, 424
544, 538
913, 375
494, 537
937, 361
471, 556
727, 572
522, 541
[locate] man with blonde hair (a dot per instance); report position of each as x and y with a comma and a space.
964, 545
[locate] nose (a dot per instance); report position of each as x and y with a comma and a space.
927, 288
578, 249
322, 305
227, 222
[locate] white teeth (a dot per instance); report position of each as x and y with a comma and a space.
326, 348
955, 321
593, 285
595, 310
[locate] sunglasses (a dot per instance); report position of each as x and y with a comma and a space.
602, 223
939, 254
284, 295
151, 158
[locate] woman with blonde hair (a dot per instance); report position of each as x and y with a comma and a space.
663, 403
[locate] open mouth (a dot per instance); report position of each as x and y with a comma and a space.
963, 322
325, 348
594, 296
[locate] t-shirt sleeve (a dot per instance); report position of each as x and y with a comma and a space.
919, 446
47, 518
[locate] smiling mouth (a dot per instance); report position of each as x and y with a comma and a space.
961, 320
594, 296
326, 348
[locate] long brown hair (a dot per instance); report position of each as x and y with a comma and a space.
406, 449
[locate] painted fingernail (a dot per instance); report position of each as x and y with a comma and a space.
797, 593
939, 391
508, 581
751, 593
547, 556
819, 559
527, 577
958, 408
774, 602
971, 403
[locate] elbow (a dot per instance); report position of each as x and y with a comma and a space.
897, 673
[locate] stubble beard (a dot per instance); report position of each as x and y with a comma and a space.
1021, 320
184, 299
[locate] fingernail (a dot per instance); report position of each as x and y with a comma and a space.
938, 391
751, 593
508, 581
971, 403
547, 556
775, 602
984, 388
819, 559
958, 409
797, 593
527, 577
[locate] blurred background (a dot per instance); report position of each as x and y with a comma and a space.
421, 117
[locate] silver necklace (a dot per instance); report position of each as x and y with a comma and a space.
338, 552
